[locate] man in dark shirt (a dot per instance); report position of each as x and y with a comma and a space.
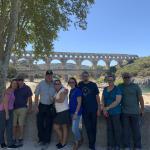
91, 107
23, 103
132, 108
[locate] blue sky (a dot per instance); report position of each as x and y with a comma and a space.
114, 26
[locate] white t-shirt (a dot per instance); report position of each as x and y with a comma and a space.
61, 106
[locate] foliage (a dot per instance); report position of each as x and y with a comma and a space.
39, 21
140, 67
12, 72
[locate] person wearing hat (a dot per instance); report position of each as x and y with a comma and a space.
91, 107
22, 105
44, 99
132, 109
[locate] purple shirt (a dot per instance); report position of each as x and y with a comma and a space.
11, 100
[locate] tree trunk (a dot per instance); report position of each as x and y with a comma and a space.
8, 45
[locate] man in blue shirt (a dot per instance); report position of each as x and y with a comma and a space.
91, 107
23, 103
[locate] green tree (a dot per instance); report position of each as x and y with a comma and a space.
36, 22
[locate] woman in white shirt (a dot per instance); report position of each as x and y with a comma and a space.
62, 118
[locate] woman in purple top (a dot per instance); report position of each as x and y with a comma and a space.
75, 110
6, 115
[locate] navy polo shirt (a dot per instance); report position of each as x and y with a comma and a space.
21, 96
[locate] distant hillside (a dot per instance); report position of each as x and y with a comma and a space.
139, 68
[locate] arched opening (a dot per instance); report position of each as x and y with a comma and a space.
113, 63
71, 64
101, 64
86, 64
56, 64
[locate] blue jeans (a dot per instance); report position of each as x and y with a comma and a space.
75, 128
131, 123
8, 126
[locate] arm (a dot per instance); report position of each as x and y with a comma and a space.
5, 102
98, 102
141, 100
79, 100
61, 97
30, 103
115, 103
36, 99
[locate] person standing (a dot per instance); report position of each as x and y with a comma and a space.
22, 105
132, 108
6, 116
44, 99
111, 107
91, 107
75, 100
62, 118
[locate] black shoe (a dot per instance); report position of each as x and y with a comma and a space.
3, 145
58, 145
12, 146
61, 146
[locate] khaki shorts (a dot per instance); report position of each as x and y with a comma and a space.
19, 116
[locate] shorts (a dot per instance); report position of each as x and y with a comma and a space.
19, 116
62, 118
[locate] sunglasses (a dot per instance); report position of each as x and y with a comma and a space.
71, 82
126, 77
57, 84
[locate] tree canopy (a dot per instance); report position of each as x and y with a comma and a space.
39, 22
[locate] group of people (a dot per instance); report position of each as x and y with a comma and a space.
59, 108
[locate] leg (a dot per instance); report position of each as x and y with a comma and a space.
89, 125
110, 136
136, 131
40, 123
58, 131
75, 129
65, 134
9, 129
48, 126
126, 131
15, 124
2, 126
117, 130
21, 121
94, 128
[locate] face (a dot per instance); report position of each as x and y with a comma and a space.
48, 77
110, 81
14, 85
71, 83
85, 77
57, 85
126, 79
20, 82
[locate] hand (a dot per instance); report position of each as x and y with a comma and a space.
36, 109
66, 91
74, 117
141, 112
7, 116
98, 112
30, 110
105, 113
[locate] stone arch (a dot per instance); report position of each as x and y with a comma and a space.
55, 64
113, 63
101, 62
86, 64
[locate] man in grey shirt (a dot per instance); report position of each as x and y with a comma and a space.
132, 108
44, 94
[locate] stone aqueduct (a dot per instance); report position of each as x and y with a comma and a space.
63, 57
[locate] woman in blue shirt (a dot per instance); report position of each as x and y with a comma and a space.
75, 110
111, 106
